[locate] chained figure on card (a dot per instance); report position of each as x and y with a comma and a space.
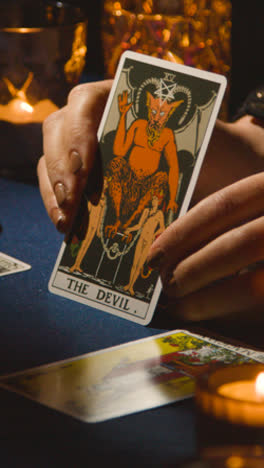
151, 225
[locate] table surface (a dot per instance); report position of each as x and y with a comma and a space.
37, 327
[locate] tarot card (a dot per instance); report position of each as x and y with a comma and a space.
126, 379
10, 265
153, 136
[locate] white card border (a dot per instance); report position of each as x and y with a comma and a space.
22, 265
257, 356
183, 69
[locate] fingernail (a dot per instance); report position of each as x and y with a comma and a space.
171, 286
60, 225
155, 260
60, 193
169, 279
75, 162
58, 218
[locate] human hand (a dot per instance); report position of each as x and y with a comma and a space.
236, 150
200, 255
70, 144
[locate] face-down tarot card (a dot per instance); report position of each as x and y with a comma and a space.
153, 136
128, 378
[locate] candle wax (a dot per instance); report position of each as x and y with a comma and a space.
19, 111
244, 390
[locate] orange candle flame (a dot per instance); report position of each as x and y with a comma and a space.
26, 107
260, 386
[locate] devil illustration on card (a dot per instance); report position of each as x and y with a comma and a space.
150, 141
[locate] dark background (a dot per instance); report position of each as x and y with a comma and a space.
247, 49
247, 73
247, 46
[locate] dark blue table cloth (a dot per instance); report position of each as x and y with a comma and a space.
38, 327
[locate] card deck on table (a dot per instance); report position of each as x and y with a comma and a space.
125, 379
153, 136
10, 265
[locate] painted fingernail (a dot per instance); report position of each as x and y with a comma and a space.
75, 162
58, 218
172, 286
60, 225
168, 279
155, 260
60, 193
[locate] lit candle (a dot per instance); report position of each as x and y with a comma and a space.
230, 405
233, 457
19, 110
245, 390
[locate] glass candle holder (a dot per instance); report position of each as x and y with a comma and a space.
230, 406
229, 457
42, 55
234, 457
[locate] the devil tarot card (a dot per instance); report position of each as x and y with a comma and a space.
153, 136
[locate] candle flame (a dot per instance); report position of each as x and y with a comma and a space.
260, 385
26, 107
235, 462
18, 109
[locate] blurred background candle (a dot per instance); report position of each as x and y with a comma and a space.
192, 32
230, 406
42, 55
229, 457
251, 390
